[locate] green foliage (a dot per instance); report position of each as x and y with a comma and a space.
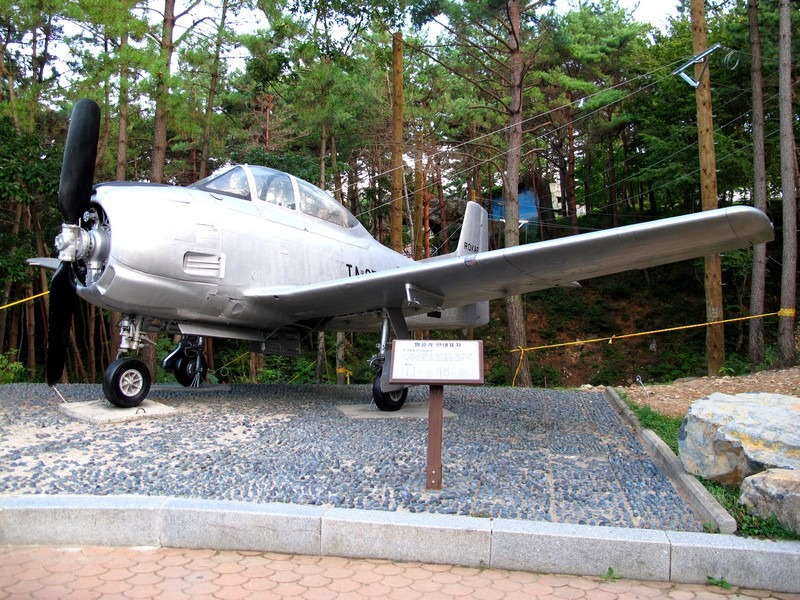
676, 360
610, 575
11, 371
665, 427
735, 365
718, 582
499, 375
749, 525
611, 367
285, 369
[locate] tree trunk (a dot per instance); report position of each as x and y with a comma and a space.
786, 320
419, 199
124, 116
442, 210
396, 232
321, 352
612, 183
515, 309
571, 202
341, 346
162, 94
352, 186
256, 364
715, 334
8, 283
341, 340
212, 91
756, 340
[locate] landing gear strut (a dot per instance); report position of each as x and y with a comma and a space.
387, 396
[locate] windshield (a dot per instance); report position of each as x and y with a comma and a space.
275, 187
317, 203
232, 182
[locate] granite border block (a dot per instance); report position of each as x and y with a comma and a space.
443, 539
228, 525
81, 520
746, 562
689, 488
580, 550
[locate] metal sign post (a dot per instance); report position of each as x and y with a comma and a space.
436, 363
433, 477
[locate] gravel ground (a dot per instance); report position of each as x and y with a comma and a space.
557, 456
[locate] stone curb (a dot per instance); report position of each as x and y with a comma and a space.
445, 539
690, 489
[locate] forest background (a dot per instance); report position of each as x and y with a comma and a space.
509, 96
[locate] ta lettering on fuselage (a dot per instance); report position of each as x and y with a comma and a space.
353, 270
471, 247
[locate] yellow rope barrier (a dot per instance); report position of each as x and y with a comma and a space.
28, 299
347, 372
784, 312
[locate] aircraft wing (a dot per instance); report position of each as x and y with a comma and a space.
461, 280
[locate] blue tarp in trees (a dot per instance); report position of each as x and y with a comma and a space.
527, 207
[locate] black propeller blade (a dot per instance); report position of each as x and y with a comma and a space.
62, 302
74, 198
80, 154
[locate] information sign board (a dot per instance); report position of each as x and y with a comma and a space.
437, 362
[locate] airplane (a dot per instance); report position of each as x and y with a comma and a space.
256, 254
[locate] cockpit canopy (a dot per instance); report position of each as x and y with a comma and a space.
262, 184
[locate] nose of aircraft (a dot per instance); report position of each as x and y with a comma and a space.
74, 199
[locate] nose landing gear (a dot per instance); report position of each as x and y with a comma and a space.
126, 381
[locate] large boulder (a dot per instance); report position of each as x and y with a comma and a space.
774, 492
726, 438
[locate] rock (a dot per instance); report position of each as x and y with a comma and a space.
774, 492
727, 438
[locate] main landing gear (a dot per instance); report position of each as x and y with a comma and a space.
388, 396
187, 361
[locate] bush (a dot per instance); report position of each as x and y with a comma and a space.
11, 371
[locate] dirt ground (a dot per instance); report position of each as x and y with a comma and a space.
675, 399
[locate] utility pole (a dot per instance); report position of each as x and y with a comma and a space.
396, 211
715, 334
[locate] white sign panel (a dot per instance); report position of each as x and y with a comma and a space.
437, 361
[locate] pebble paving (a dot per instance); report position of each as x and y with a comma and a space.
531, 454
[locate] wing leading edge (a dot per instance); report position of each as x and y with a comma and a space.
461, 280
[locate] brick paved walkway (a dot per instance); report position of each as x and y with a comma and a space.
143, 573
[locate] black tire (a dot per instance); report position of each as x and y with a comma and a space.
387, 401
126, 382
186, 369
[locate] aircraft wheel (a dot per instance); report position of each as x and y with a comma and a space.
126, 382
186, 369
388, 401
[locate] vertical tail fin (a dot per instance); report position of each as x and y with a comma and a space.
474, 236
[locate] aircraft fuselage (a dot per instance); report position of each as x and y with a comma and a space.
187, 254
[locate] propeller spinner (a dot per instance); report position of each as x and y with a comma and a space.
74, 199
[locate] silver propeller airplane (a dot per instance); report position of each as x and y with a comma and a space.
256, 254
